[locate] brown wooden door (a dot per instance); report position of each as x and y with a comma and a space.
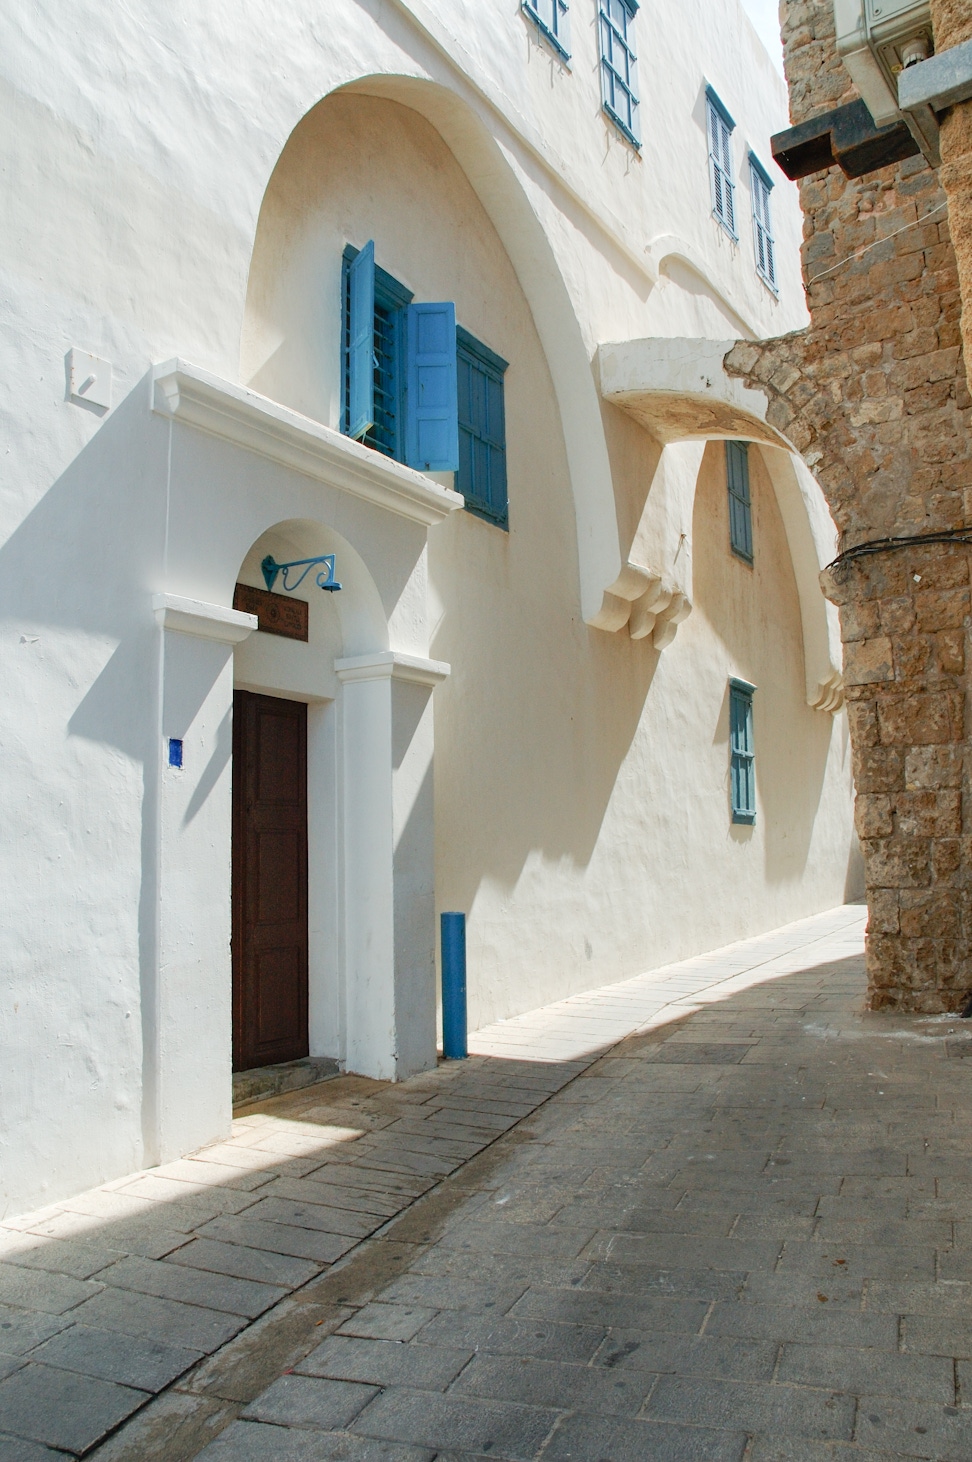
269, 880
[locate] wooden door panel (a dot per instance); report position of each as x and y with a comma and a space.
269, 880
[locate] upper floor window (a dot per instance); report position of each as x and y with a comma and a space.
552, 19
742, 752
619, 65
420, 389
740, 502
399, 372
762, 223
481, 477
720, 128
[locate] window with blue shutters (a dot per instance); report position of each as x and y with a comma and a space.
481, 477
742, 757
619, 65
552, 19
375, 308
740, 502
720, 128
762, 224
399, 368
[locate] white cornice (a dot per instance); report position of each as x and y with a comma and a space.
206, 621
185, 393
391, 665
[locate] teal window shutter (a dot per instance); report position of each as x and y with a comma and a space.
552, 19
742, 752
432, 423
619, 65
763, 241
740, 503
361, 344
720, 128
481, 477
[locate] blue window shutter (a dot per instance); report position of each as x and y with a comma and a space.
740, 502
742, 768
432, 417
361, 347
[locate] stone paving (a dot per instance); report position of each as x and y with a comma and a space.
740, 1233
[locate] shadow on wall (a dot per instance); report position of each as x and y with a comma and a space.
754, 613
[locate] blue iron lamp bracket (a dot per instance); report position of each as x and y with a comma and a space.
325, 579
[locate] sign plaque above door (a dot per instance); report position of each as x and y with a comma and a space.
275, 614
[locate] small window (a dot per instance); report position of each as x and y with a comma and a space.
720, 127
742, 759
619, 65
762, 224
552, 19
740, 503
481, 477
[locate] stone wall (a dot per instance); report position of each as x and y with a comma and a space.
874, 395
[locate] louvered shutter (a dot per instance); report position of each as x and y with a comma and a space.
361, 344
432, 423
740, 507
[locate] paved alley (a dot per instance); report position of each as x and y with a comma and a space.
715, 1212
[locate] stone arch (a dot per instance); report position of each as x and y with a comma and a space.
680, 391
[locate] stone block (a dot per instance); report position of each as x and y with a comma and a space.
220, 1292
249, 1441
129, 1360
310, 1401
897, 862
928, 814
63, 1409
883, 910
872, 815
463, 1424
942, 609
378, 1321
634, 1441
386, 1362
878, 768
866, 661
920, 719
950, 652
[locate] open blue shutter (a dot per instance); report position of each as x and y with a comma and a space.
432, 416
361, 348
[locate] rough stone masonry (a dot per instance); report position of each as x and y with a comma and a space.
875, 396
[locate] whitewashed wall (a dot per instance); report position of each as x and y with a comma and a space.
580, 777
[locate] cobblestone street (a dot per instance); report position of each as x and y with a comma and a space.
741, 1232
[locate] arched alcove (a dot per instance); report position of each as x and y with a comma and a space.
292, 295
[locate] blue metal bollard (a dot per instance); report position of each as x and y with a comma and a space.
454, 987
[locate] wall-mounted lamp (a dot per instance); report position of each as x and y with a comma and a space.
325, 579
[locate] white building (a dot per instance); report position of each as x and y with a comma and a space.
190, 192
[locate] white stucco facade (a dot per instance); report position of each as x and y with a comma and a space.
527, 725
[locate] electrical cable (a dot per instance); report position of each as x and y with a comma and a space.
889, 545
867, 247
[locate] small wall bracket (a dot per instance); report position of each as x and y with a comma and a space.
325, 579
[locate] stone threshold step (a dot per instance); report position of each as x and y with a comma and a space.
268, 1081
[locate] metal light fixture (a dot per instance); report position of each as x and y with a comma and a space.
325, 579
